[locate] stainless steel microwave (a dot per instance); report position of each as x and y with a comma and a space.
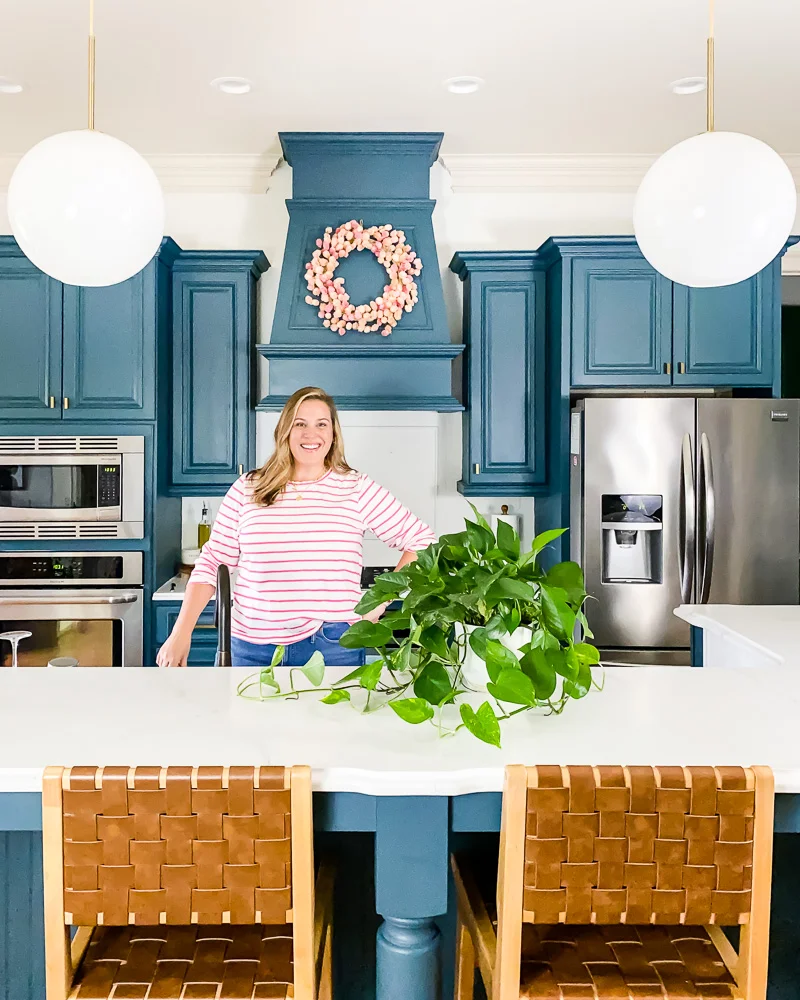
57, 486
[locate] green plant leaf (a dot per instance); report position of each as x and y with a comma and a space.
353, 675
480, 518
477, 642
267, 676
512, 619
372, 599
559, 618
433, 684
580, 686
545, 538
314, 668
536, 666
499, 658
584, 625
335, 697
564, 662
396, 620
371, 675
569, 577
496, 627
401, 658
541, 639
507, 586
507, 540
413, 710
433, 639
419, 592
427, 559
481, 539
482, 723
365, 634
587, 653
513, 686
277, 656
396, 580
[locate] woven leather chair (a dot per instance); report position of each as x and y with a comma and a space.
184, 884
615, 882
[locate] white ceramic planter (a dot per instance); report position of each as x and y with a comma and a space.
474, 669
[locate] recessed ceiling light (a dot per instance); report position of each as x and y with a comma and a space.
232, 84
688, 85
9, 87
463, 84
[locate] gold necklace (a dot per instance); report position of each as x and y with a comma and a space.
297, 494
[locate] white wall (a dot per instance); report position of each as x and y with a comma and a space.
417, 456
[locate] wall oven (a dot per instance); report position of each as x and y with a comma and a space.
71, 487
83, 605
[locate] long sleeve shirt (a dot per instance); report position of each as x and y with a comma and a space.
299, 560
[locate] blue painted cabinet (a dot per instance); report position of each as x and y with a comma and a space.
204, 637
109, 352
30, 341
504, 330
213, 369
726, 336
621, 323
628, 325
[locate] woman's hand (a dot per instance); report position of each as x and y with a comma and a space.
175, 651
376, 613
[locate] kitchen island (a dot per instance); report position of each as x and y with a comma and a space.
750, 635
373, 776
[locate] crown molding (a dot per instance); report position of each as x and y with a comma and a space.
198, 173
523, 173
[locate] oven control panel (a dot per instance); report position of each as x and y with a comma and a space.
27, 569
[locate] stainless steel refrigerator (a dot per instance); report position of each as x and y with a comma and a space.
682, 500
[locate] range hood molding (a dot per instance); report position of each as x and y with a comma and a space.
377, 178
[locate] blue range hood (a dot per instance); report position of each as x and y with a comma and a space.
375, 178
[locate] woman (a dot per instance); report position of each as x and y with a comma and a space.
294, 529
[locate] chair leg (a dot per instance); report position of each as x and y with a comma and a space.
465, 963
325, 991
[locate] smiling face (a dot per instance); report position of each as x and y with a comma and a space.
311, 436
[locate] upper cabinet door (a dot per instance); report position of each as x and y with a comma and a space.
726, 336
212, 397
30, 342
504, 420
110, 350
621, 323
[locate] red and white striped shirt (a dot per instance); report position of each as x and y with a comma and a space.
299, 560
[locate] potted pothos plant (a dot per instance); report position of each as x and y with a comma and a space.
467, 594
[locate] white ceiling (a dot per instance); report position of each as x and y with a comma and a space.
562, 76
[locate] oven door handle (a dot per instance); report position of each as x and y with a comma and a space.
38, 599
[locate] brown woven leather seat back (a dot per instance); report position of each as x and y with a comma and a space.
639, 845
177, 845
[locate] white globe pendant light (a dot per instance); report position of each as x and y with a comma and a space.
85, 207
716, 208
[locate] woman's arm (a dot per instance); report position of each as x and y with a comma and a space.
175, 651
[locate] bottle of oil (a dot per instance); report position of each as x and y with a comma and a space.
203, 527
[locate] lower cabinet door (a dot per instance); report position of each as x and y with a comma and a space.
204, 638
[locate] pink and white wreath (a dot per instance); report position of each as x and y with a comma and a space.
328, 293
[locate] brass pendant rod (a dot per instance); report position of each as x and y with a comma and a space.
91, 64
710, 70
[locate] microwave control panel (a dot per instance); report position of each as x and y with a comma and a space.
108, 485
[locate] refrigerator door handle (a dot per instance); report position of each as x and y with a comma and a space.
686, 520
707, 519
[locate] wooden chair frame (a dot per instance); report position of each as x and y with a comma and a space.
498, 955
311, 915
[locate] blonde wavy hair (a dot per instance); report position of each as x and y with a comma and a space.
270, 480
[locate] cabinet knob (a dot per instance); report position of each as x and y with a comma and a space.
477, 469
52, 402
66, 402
667, 368
681, 367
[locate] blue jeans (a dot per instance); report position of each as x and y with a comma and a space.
325, 640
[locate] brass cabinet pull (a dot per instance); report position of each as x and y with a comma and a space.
241, 469
681, 368
66, 402
667, 368
52, 402
477, 469
205, 626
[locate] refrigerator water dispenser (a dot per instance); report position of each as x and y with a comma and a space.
632, 538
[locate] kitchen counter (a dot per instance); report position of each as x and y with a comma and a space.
746, 635
652, 715
173, 590
419, 794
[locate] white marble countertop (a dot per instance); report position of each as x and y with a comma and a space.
647, 715
772, 630
173, 590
